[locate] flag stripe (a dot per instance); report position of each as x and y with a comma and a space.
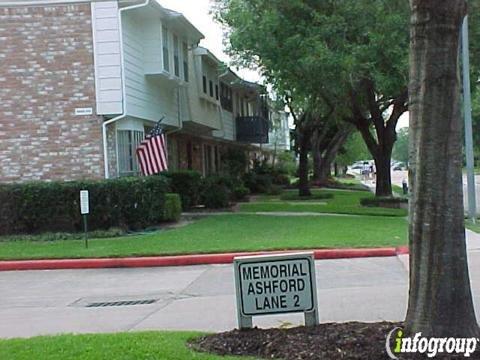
152, 153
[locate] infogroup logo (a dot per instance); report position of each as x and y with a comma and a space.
429, 346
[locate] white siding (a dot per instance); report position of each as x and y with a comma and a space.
108, 76
204, 112
147, 97
228, 132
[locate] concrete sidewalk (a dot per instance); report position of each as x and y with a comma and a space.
191, 298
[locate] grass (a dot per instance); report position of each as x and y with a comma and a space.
293, 196
474, 227
126, 346
229, 232
343, 202
51, 236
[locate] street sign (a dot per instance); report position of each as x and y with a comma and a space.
84, 208
276, 284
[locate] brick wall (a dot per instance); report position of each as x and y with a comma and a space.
46, 71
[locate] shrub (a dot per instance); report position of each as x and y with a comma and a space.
286, 163
292, 196
173, 207
275, 190
388, 202
216, 191
234, 162
240, 193
257, 183
187, 184
280, 179
54, 207
216, 196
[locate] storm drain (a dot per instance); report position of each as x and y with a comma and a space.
121, 303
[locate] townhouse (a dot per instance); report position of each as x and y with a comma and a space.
82, 82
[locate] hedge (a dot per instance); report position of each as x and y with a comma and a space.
35, 207
387, 202
186, 183
173, 207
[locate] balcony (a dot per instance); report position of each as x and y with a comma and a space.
252, 129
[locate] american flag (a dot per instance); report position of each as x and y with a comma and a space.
152, 152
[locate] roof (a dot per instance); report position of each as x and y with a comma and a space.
172, 17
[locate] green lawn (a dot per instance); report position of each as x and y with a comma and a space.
474, 227
124, 346
229, 232
343, 202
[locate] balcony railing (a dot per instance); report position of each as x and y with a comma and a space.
252, 129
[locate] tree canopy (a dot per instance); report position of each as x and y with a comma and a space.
349, 56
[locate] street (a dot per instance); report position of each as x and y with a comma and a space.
195, 297
399, 176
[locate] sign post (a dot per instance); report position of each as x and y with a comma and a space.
84, 210
267, 285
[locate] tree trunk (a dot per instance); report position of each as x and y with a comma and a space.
318, 147
384, 175
327, 155
440, 298
303, 185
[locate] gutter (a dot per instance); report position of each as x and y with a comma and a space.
122, 65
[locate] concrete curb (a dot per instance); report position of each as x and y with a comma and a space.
185, 260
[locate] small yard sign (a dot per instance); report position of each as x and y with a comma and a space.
84, 210
275, 284
84, 206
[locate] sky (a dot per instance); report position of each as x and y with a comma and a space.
198, 13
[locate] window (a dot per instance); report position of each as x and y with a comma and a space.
166, 59
216, 92
176, 56
211, 87
185, 61
226, 97
204, 84
128, 141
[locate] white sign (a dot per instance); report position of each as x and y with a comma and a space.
275, 284
84, 206
83, 111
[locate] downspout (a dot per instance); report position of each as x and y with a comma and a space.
124, 101
220, 106
179, 119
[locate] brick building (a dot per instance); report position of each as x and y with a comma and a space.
82, 82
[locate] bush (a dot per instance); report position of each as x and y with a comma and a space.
387, 202
173, 207
234, 162
216, 196
280, 179
257, 183
275, 190
293, 195
216, 191
240, 193
187, 184
286, 163
34, 207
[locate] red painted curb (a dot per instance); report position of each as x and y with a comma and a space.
183, 260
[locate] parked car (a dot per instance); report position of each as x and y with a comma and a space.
399, 166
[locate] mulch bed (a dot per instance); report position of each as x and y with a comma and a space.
351, 340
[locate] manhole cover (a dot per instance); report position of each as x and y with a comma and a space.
121, 303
